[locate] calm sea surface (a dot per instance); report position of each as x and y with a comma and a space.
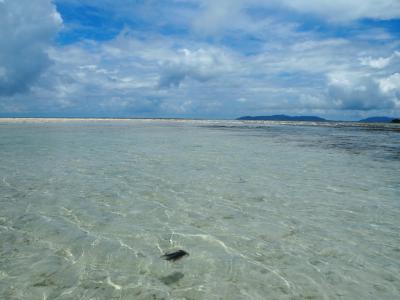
267, 210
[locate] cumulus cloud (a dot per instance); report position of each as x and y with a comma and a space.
27, 28
380, 62
358, 91
390, 84
201, 65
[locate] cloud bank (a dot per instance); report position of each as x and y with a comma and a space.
27, 28
203, 59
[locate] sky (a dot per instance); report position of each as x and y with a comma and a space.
216, 59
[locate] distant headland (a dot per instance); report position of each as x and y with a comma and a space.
378, 120
314, 119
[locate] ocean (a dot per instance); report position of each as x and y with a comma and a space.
266, 210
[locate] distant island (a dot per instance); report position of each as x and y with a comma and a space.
284, 118
314, 119
377, 120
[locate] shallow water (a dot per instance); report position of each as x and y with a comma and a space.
267, 210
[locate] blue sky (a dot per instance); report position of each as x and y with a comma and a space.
199, 58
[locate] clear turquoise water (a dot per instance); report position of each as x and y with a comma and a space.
266, 210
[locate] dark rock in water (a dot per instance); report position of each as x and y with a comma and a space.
396, 121
172, 278
173, 256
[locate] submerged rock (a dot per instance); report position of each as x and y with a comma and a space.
173, 256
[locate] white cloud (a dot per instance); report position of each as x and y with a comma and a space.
201, 65
360, 91
215, 17
345, 10
390, 83
380, 62
27, 28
